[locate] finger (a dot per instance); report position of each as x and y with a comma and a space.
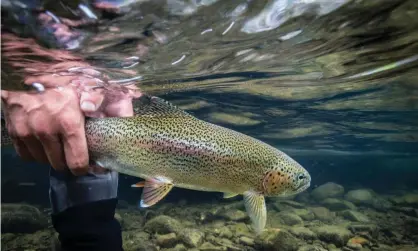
120, 108
22, 150
54, 151
75, 146
35, 148
91, 101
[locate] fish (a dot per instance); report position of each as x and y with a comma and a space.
169, 147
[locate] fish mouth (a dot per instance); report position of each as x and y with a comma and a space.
303, 187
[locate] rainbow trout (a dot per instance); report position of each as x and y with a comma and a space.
168, 147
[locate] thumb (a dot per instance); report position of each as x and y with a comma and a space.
90, 101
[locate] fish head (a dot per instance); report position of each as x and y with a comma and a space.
287, 177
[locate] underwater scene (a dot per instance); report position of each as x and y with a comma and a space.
294, 123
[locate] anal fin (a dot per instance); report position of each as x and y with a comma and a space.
256, 209
154, 191
139, 184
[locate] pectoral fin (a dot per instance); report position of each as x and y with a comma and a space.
229, 195
256, 209
154, 191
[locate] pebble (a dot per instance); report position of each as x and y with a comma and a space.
246, 240
166, 240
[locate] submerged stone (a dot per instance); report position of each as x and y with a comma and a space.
241, 229
166, 240
337, 204
358, 240
333, 234
327, 190
354, 216
22, 218
139, 241
246, 241
303, 232
293, 203
409, 199
311, 248
289, 219
40, 240
360, 196
207, 246
322, 213
191, 237
234, 215
163, 225
305, 214
372, 229
274, 240
224, 232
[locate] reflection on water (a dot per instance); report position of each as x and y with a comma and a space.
341, 75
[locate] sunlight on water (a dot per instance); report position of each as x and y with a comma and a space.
330, 68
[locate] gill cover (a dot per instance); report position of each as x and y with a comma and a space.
275, 182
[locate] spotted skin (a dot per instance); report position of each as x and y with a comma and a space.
164, 141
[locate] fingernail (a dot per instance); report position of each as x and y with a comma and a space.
88, 106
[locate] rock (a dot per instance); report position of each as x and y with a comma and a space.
304, 214
234, 215
381, 204
409, 199
303, 232
358, 240
332, 247
290, 219
281, 207
334, 234
327, 190
293, 203
322, 213
246, 241
303, 197
337, 204
224, 242
241, 229
207, 246
163, 225
274, 240
360, 196
361, 228
354, 246
311, 248
129, 220
40, 240
224, 232
179, 247
383, 247
354, 216
166, 240
191, 237
406, 210
22, 218
138, 241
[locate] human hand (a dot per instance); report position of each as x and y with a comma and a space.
49, 126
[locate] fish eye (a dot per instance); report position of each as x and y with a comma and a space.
301, 176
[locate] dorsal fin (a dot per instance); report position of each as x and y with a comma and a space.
154, 107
